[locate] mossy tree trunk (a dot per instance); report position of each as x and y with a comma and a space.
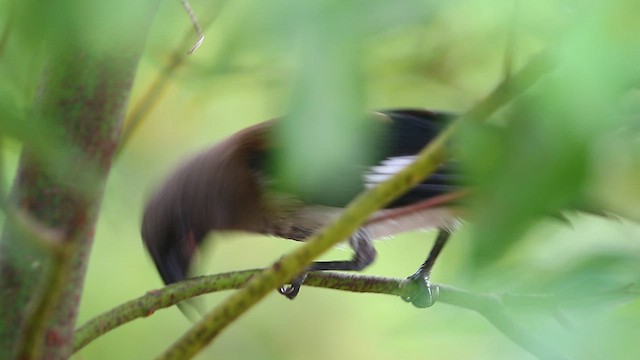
92, 52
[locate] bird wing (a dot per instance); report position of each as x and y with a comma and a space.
406, 133
400, 135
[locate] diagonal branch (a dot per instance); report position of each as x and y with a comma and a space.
354, 215
196, 26
153, 94
293, 263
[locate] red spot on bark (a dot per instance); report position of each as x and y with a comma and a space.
54, 338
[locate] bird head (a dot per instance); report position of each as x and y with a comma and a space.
215, 190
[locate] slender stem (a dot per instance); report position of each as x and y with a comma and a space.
196, 25
150, 98
154, 300
491, 306
154, 92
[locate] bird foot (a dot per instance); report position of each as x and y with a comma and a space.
418, 290
291, 290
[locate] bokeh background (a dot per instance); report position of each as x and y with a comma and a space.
570, 141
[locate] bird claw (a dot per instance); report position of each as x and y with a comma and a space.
419, 291
291, 290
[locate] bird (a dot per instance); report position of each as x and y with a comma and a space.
230, 186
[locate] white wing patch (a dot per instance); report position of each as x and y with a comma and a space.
426, 219
387, 168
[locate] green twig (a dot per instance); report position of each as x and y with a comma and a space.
154, 92
155, 300
490, 306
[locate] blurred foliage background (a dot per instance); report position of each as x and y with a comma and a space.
570, 141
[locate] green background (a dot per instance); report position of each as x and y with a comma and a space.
321, 61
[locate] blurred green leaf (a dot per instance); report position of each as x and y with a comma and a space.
554, 131
325, 131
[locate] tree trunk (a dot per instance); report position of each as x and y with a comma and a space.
92, 55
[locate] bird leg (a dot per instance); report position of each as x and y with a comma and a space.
419, 291
364, 255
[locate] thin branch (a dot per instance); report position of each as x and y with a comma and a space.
490, 306
196, 25
155, 300
154, 92
354, 215
146, 305
150, 98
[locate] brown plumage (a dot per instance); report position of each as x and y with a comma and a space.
229, 187
188, 205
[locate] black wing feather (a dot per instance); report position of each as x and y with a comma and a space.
404, 132
411, 130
